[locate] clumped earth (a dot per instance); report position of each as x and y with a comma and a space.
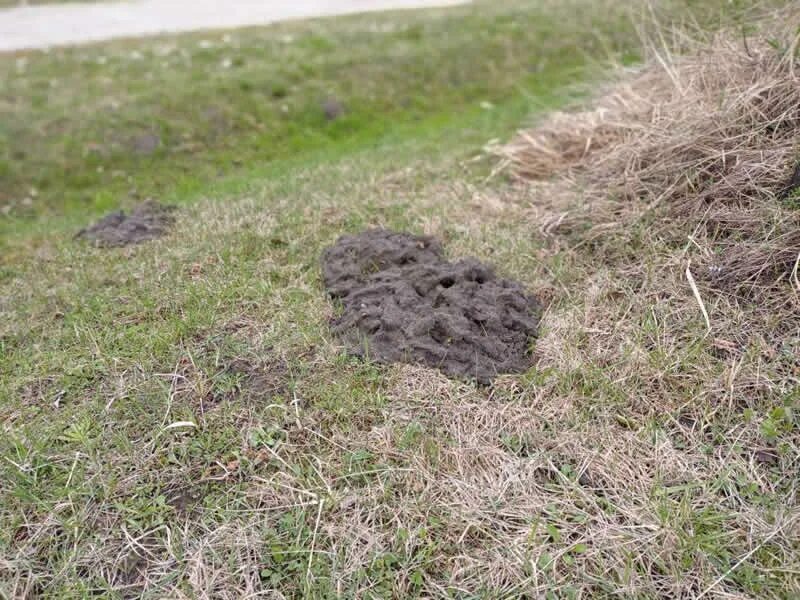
793, 184
403, 302
147, 221
333, 109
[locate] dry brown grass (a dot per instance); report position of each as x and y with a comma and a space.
706, 139
670, 194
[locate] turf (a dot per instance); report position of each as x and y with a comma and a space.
178, 422
146, 118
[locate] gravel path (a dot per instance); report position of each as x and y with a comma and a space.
28, 27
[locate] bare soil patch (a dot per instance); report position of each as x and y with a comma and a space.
261, 381
402, 301
147, 221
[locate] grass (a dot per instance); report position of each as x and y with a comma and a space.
181, 112
177, 421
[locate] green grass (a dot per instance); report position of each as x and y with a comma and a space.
85, 129
622, 464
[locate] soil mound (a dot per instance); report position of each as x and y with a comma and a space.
147, 221
403, 302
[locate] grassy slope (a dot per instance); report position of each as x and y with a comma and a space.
307, 472
216, 104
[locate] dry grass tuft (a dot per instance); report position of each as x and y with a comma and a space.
706, 138
672, 197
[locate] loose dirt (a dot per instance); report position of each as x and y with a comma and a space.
403, 302
147, 221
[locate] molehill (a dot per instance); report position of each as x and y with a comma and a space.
147, 221
402, 301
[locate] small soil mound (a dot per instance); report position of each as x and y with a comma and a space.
333, 109
147, 221
403, 302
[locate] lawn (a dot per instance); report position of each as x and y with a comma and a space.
178, 421
135, 119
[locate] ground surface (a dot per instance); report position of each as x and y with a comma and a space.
75, 23
178, 421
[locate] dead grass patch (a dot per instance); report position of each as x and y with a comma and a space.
703, 141
669, 198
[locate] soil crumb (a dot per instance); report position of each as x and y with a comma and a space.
793, 185
402, 301
333, 109
147, 221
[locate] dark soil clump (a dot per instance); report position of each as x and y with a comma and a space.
333, 109
147, 221
403, 302
793, 185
